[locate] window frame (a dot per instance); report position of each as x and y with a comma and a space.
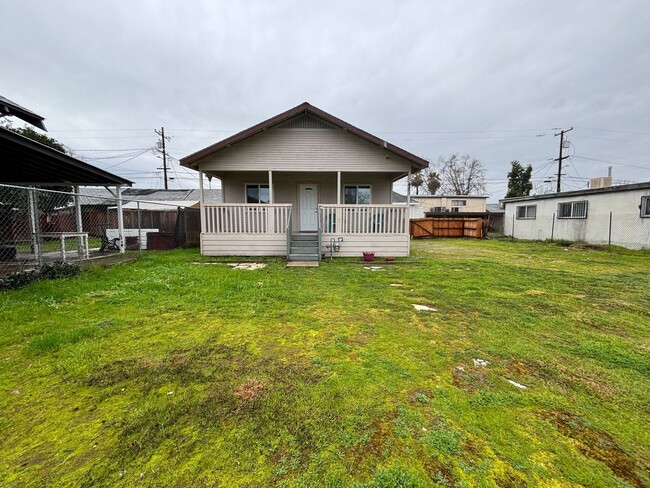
573, 204
458, 203
356, 186
644, 207
259, 186
526, 215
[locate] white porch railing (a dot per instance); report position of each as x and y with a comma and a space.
364, 219
238, 218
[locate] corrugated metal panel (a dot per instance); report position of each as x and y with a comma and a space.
304, 150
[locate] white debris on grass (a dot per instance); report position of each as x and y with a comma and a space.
170, 393
373, 268
249, 266
518, 385
395, 284
424, 308
480, 363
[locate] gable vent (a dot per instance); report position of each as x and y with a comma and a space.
305, 122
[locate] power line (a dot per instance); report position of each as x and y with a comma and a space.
616, 130
611, 162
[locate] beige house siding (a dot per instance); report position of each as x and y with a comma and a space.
304, 150
353, 246
243, 244
473, 204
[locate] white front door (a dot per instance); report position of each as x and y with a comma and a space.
308, 207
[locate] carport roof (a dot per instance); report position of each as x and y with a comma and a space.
27, 162
7, 107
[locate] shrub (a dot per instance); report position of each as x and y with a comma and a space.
48, 271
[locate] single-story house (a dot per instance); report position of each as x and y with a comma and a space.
618, 215
451, 203
302, 183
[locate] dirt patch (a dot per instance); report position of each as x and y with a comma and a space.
556, 374
595, 444
250, 390
510, 479
440, 471
468, 378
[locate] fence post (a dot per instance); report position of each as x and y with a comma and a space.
35, 224
82, 247
120, 220
553, 227
139, 230
609, 231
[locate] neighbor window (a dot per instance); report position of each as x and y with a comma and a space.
257, 193
357, 194
572, 210
458, 203
526, 212
645, 206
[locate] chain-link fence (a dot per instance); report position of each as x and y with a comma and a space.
628, 230
38, 226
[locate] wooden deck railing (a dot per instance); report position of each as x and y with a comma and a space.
364, 219
237, 218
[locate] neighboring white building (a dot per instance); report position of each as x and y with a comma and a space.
618, 215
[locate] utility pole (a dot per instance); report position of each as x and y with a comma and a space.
161, 143
559, 160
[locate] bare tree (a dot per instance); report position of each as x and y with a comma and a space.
462, 175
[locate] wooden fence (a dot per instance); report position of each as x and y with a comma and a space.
446, 227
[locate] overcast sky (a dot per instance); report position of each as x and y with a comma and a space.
493, 79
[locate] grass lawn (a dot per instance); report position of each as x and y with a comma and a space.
174, 372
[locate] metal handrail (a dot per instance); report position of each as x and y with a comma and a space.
320, 232
288, 231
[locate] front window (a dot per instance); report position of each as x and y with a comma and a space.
526, 212
459, 203
256, 193
572, 210
645, 206
357, 194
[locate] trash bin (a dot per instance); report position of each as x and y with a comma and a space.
160, 241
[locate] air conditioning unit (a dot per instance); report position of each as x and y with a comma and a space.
601, 182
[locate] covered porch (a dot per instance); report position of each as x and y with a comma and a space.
265, 230
305, 214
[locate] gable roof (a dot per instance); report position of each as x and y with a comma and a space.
103, 196
303, 108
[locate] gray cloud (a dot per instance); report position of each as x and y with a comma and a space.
491, 79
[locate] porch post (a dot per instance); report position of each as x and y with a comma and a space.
408, 191
201, 201
271, 196
338, 188
120, 219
